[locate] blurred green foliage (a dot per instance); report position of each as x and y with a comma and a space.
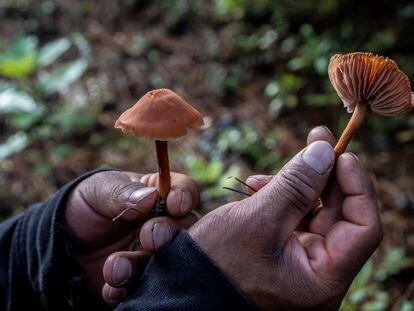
35, 74
365, 291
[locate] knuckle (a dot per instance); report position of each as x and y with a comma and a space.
88, 190
296, 188
121, 192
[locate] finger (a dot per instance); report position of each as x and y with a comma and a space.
351, 241
97, 200
112, 193
121, 268
330, 213
287, 198
314, 245
257, 182
113, 296
157, 233
321, 133
183, 196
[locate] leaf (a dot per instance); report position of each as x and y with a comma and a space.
233, 170
139, 45
82, 45
202, 171
52, 51
71, 121
407, 306
217, 190
61, 152
13, 144
24, 120
395, 260
363, 276
12, 100
272, 89
62, 76
379, 302
4, 85
359, 294
20, 58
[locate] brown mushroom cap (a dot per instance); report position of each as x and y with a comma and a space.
161, 115
364, 77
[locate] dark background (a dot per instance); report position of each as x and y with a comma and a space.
257, 70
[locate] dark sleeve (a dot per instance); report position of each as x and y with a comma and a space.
37, 268
183, 277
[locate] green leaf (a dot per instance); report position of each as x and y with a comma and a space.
359, 294
62, 76
70, 120
217, 190
13, 144
82, 45
4, 85
52, 51
12, 100
272, 89
321, 100
379, 302
233, 170
407, 306
139, 45
20, 57
202, 171
364, 275
24, 120
61, 152
395, 260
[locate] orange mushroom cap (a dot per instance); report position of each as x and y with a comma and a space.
364, 77
161, 115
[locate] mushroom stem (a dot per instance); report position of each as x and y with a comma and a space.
164, 180
350, 129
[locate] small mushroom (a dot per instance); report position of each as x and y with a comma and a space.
367, 82
161, 115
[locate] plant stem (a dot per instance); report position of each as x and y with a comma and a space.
350, 129
164, 179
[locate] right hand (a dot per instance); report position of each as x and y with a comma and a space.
255, 242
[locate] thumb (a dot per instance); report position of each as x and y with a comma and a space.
286, 199
101, 197
112, 193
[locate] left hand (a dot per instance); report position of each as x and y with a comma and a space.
94, 236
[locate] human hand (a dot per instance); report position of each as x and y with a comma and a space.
257, 244
94, 236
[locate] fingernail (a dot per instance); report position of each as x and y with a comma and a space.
260, 178
182, 199
121, 270
116, 294
325, 127
185, 204
141, 194
319, 156
161, 235
354, 156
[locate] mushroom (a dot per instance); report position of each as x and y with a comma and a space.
161, 115
367, 82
